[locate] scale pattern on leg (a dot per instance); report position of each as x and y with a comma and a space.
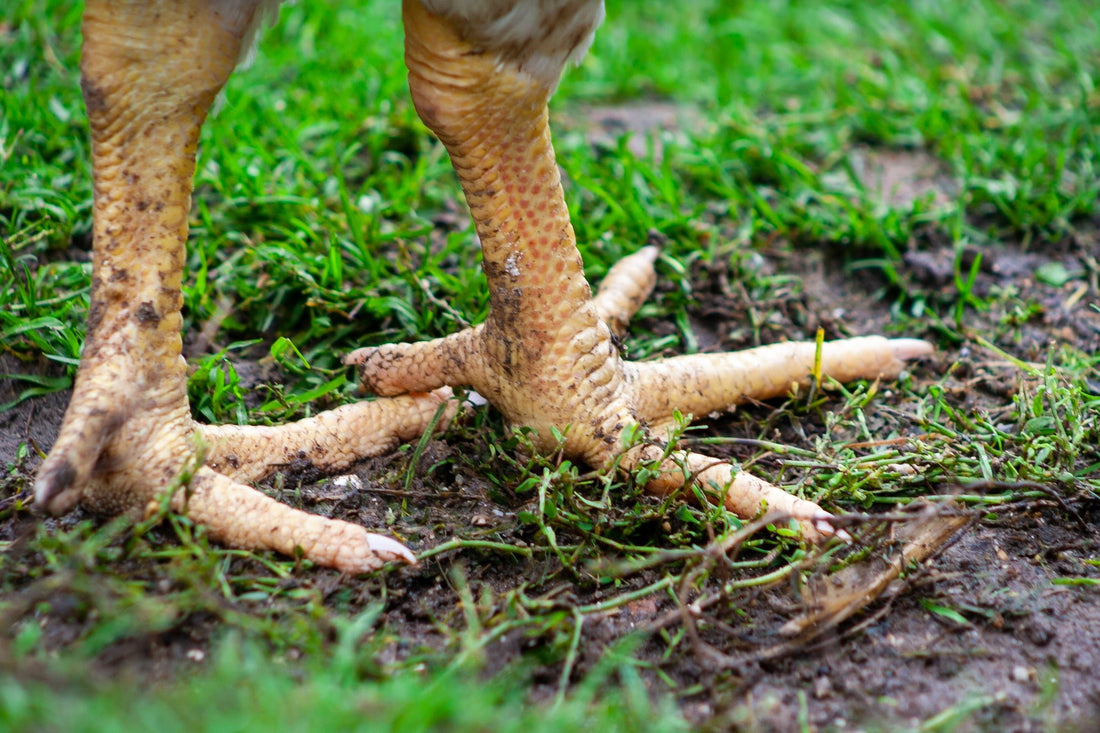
329, 442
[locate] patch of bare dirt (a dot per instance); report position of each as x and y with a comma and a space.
36, 421
642, 123
899, 177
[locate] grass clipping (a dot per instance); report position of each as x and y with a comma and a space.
833, 598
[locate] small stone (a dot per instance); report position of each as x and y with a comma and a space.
348, 481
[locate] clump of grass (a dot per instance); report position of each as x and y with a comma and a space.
243, 688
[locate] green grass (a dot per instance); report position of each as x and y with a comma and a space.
317, 161
326, 218
244, 689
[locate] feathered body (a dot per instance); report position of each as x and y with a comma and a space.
538, 36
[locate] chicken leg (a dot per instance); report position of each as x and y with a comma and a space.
545, 357
150, 70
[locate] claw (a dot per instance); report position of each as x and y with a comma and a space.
909, 349
826, 528
390, 550
54, 492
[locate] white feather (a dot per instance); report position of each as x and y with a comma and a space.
540, 36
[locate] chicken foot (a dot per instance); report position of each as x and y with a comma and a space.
150, 71
545, 357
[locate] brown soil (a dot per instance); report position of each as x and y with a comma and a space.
1022, 656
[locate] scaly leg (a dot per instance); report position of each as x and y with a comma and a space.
150, 70
545, 357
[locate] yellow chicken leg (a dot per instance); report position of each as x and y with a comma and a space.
150, 70
545, 356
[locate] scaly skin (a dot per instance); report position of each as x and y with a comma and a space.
545, 357
150, 71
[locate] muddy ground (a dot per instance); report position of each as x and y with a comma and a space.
1021, 653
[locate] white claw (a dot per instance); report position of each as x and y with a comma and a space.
475, 400
390, 550
828, 530
906, 349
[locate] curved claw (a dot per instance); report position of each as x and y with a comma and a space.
390, 550
56, 490
909, 349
